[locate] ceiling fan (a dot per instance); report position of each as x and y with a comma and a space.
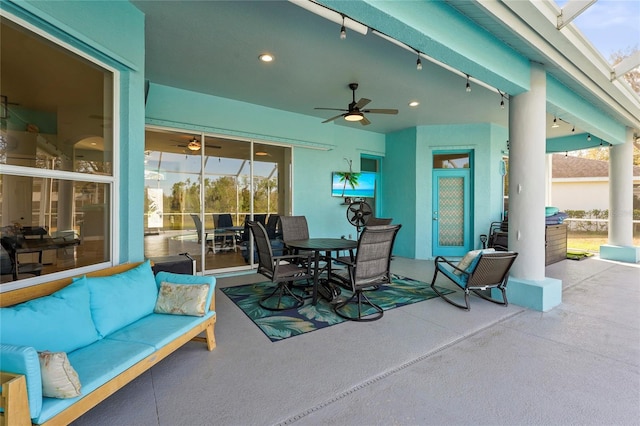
354, 112
194, 144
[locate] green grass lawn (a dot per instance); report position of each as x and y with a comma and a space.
591, 241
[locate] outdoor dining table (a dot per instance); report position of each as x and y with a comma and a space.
318, 245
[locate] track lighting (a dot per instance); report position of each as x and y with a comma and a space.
555, 124
343, 30
589, 137
468, 88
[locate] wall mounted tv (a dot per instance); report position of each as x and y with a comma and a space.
364, 187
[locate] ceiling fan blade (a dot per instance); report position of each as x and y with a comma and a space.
381, 111
362, 102
364, 121
333, 109
333, 118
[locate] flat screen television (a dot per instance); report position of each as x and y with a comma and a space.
364, 187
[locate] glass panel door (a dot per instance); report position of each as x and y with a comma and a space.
234, 188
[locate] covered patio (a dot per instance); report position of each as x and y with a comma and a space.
426, 363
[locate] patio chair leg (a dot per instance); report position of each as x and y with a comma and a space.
359, 296
505, 302
451, 302
283, 290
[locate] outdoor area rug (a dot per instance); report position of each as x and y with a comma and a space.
279, 325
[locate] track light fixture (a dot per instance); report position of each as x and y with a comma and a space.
343, 30
589, 137
468, 87
555, 124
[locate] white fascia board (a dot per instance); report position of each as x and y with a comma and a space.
567, 50
580, 180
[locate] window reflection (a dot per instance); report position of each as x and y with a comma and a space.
56, 225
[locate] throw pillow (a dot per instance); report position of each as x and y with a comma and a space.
182, 299
468, 259
59, 379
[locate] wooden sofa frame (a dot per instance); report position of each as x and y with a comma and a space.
14, 399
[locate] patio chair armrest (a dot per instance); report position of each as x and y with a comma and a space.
292, 257
440, 259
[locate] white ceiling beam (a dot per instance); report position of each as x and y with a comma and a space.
571, 10
331, 15
626, 65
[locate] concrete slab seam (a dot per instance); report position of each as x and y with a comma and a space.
388, 373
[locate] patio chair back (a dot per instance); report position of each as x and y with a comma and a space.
294, 228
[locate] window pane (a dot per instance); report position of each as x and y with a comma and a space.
52, 225
59, 106
451, 161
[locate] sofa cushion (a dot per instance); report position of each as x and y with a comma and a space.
182, 299
95, 365
60, 322
120, 299
24, 360
158, 330
59, 379
188, 279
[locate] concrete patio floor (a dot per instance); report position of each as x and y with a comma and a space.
426, 363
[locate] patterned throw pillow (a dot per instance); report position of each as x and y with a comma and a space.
59, 379
182, 299
468, 259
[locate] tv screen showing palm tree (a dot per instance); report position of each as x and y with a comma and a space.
347, 184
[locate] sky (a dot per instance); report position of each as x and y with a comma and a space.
610, 25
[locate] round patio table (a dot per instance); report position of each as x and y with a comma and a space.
318, 245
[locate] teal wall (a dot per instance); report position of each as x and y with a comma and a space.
319, 149
112, 32
441, 32
399, 188
408, 180
583, 114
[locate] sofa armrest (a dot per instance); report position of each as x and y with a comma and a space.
23, 360
14, 401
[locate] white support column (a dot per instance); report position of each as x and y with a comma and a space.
620, 245
527, 194
527, 168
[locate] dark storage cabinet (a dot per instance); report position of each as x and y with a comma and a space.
556, 243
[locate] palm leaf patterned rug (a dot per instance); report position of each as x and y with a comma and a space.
279, 325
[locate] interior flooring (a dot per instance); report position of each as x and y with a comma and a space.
421, 364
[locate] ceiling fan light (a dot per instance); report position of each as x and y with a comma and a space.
354, 116
193, 145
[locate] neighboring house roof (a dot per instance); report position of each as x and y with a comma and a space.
577, 167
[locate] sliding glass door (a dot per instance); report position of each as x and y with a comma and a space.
239, 178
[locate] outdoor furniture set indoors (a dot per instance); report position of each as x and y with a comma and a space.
67, 345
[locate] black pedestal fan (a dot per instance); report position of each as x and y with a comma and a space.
358, 214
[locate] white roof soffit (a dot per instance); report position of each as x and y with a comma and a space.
567, 54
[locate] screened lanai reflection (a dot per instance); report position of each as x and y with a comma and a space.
180, 218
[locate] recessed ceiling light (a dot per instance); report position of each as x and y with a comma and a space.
414, 103
266, 57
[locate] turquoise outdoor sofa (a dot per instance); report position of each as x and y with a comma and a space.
106, 324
